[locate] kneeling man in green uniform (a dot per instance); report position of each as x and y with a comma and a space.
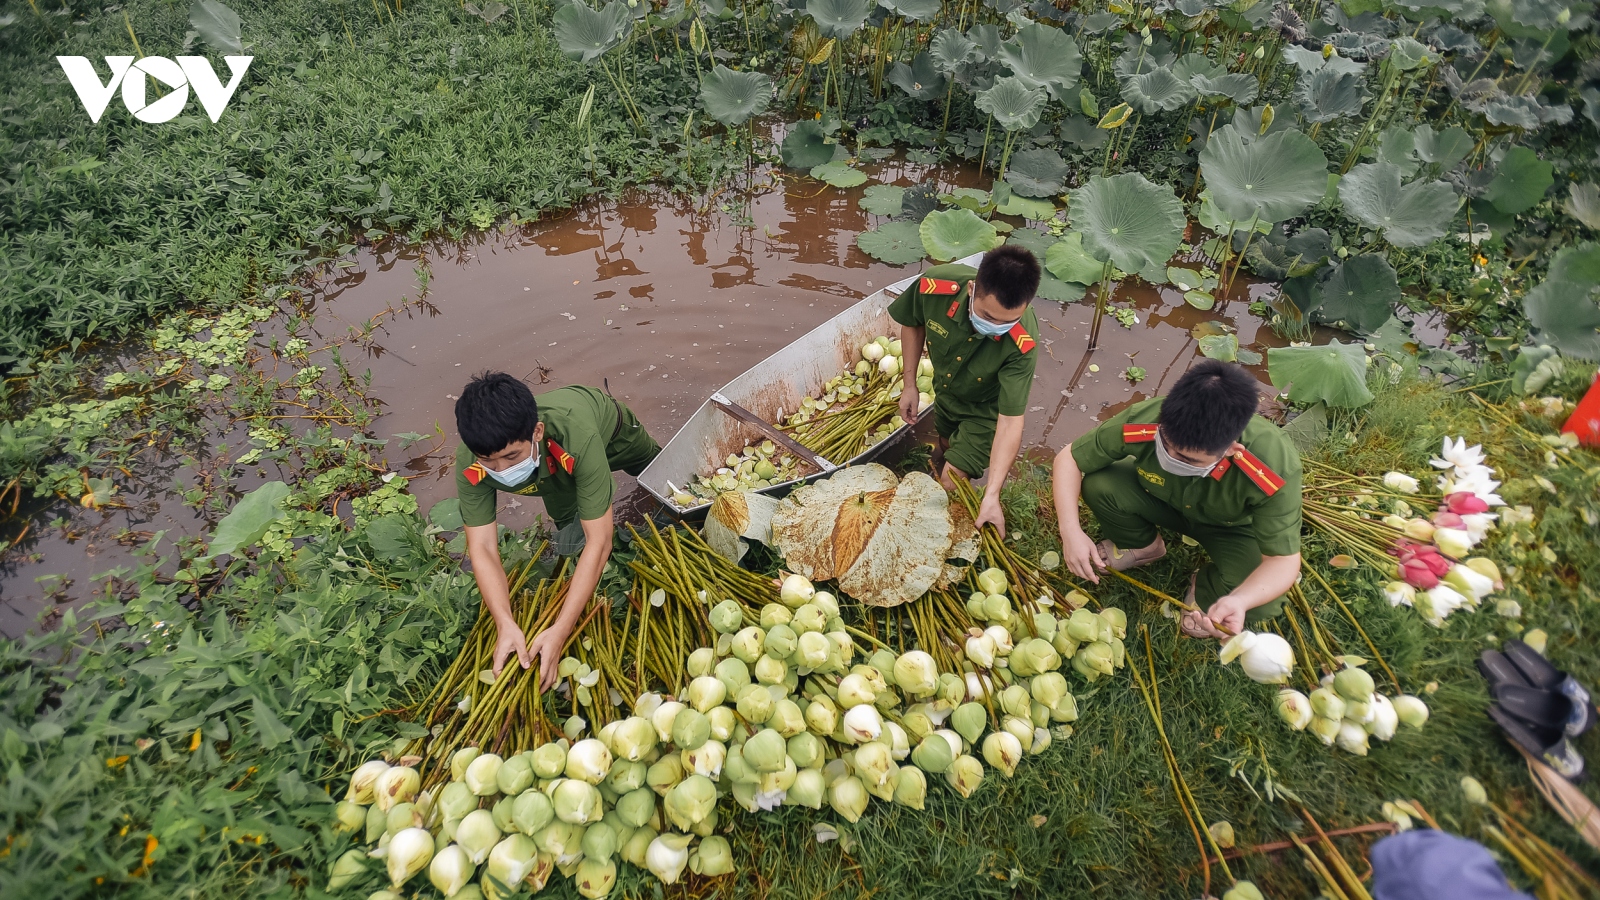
562, 447
979, 330
1199, 462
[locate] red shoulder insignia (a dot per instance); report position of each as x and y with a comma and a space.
474, 474
1022, 337
951, 312
561, 457
1138, 434
1222, 466
1258, 472
938, 286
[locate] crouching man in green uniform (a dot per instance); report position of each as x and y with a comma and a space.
562, 447
1199, 462
979, 330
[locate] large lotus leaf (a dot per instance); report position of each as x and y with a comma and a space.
1082, 133
217, 25
897, 243
921, 80
839, 18
733, 97
1310, 61
884, 541
1398, 145
1541, 14
952, 51
1216, 221
1043, 57
1291, 258
735, 515
1014, 105
1521, 181
1325, 95
1038, 173
1335, 374
1037, 242
914, 10
1268, 179
838, 174
1361, 292
1240, 87
585, 34
1156, 90
1136, 59
1129, 220
1583, 204
954, 233
986, 38
1053, 288
1407, 53
1259, 121
1410, 215
806, 145
1026, 207
1191, 64
249, 519
882, 199
1564, 307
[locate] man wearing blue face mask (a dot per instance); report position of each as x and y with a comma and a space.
979, 329
562, 447
1201, 463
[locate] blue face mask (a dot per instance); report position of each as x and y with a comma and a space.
511, 476
987, 328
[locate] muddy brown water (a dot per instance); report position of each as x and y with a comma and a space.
663, 298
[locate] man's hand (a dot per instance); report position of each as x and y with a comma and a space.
909, 401
1227, 613
1081, 555
547, 647
510, 640
989, 513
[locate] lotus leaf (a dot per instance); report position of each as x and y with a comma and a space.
1185, 279
1266, 179
249, 519
1410, 215
1220, 346
1239, 87
1407, 53
585, 34
1583, 204
1191, 64
1068, 261
1442, 149
1540, 14
1361, 292
838, 174
1326, 94
1157, 90
1137, 58
1260, 120
919, 200
1129, 221
882, 199
1053, 288
1043, 57
735, 515
1335, 374
1037, 242
1521, 181
952, 51
217, 25
733, 97
806, 145
914, 10
955, 233
885, 541
1214, 220
839, 19
1397, 145
1013, 104
1039, 172
921, 80
897, 243
1310, 61
1202, 300
1563, 307
986, 40
1014, 205
1082, 133
975, 199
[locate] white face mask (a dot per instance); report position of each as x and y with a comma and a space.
1174, 466
511, 476
987, 328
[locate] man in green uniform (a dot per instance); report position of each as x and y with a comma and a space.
1199, 462
979, 330
561, 447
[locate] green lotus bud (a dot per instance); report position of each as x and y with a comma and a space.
636, 807
854, 690
775, 614
701, 662
377, 823
755, 704
766, 751
663, 717
348, 867
736, 769
805, 749
1358, 712
400, 817
531, 811
933, 754
1117, 619
722, 722
513, 776
562, 840
910, 787
1083, 626
826, 602
975, 606
1411, 710
811, 650
577, 802
1015, 700
727, 617
351, 816
1294, 708
747, 644
786, 718
501, 813
997, 608
595, 877
1044, 625
848, 797
872, 763
770, 671
916, 673
588, 761
779, 643
633, 849
1093, 660
667, 856
690, 800
952, 688
917, 723
691, 728
734, 675
1353, 684
1352, 737
712, 858
1325, 728
1002, 750
1327, 703
1243, 890
771, 786
550, 760
964, 774
409, 852
706, 692
1049, 688
512, 859
993, 581
397, 784
1064, 642
460, 760
664, 774
809, 619
796, 591
809, 789
364, 782
843, 647
477, 835
969, 720
1038, 655
1119, 654
822, 716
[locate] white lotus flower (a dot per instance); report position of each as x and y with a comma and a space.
1385, 718
863, 723
1457, 454
1398, 593
1400, 481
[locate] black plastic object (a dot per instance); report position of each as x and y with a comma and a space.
1535, 669
1549, 745
1544, 709
1499, 670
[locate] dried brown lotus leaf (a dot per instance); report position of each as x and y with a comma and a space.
802, 528
739, 514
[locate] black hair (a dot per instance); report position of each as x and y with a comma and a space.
495, 411
1010, 273
1209, 407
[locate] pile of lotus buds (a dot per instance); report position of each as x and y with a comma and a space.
755, 467
781, 712
1347, 710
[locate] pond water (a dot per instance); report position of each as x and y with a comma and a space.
663, 298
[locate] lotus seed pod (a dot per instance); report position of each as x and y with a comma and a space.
531, 812
1021, 729
727, 617
993, 581
747, 644
701, 662
460, 760
822, 716
775, 614
848, 797
981, 650
409, 852
1411, 710
512, 859
477, 835
933, 754
810, 788
1002, 750
364, 781
1294, 708
397, 784
577, 802
862, 723
1327, 703
1325, 728
712, 858
595, 877
964, 774
1243, 890
1385, 718
550, 760
1352, 737
634, 848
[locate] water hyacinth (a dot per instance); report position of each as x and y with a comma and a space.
667, 856
964, 774
477, 835
1294, 708
512, 859
364, 781
862, 723
482, 775
1002, 750
848, 797
531, 812
396, 784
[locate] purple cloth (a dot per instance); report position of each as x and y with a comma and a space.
1431, 865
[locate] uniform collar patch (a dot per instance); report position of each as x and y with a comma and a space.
1022, 337
940, 286
474, 474
559, 457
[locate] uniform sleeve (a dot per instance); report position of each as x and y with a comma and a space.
908, 308
1276, 522
1016, 380
1104, 445
592, 471
477, 500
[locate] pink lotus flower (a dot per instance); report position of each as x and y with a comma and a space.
1463, 503
1416, 573
1445, 519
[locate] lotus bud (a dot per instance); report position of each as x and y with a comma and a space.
577, 802
894, 737
770, 671
1243, 890
1064, 642
1044, 625
1268, 660
512, 859
1472, 790
952, 688
634, 848
796, 591
1021, 729
993, 581
822, 716
664, 773
574, 725
409, 852
997, 608
531, 812
1385, 718
712, 858
805, 748
460, 760
636, 807
588, 761
1294, 708
482, 775
873, 761
1356, 711
1041, 741
854, 690
397, 784
1411, 710
969, 720
400, 817
1325, 728
1419, 529
377, 824
1002, 639
1033, 657
910, 787
1468, 582
809, 619
848, 797
1400, 481
349, 867
934, 754
562, 841
1353, 683
779, 643
1083, 626
364, 781
477, 835
811, 651
691, 800
765, 751
981, 650
1015, 701
1093, 660
668, 854
964, 774
1327, 703
626, 775
862, 723
975, 606
663, 717
727, 617
350, 816
810, 788
747, 644
501, 813
1117, 619
1455, 543
701, 662
1002, 750
1398, 593
595, 877
1487, 569
755, 704
1352, 737
550, 760
734, 675
722, 721
916, 723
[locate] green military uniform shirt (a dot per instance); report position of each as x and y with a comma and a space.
582, 444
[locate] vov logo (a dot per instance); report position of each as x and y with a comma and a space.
179, 75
